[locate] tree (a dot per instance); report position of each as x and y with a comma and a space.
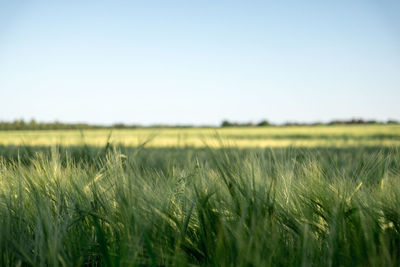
263, 123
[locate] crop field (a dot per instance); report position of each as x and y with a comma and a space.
249, 137
262, 196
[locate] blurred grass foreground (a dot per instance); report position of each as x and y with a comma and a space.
317, 196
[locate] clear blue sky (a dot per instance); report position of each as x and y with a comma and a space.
199, 62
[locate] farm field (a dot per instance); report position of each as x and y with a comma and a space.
246, 137
267, 196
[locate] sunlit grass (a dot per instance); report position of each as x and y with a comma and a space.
290, 196
103, 206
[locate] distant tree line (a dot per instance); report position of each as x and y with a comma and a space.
227, 123
34, 125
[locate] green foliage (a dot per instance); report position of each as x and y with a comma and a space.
34, 125
226, 123
120, 206
264, 123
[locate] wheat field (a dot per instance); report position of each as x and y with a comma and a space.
272, 196
246, 137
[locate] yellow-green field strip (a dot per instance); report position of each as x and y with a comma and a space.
250, 137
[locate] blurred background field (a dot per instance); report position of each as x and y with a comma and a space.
243, 137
